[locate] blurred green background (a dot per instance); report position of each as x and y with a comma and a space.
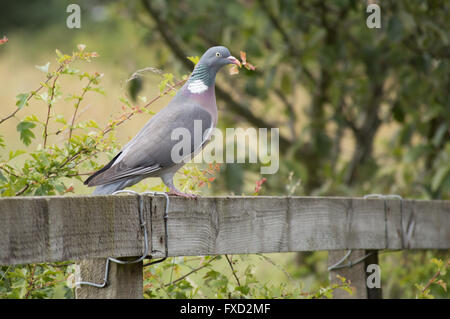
360, 110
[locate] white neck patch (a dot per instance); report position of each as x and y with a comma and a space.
197, 87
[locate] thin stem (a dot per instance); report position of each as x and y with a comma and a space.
230, 262
433, 279
127, 117
22, 190
30, 96
31, 282
191, 272
77, 105
49, 106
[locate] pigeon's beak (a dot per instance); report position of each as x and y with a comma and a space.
233, 60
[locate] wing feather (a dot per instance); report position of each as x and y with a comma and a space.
150, 150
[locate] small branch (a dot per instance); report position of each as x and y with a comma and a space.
49, 106
191, 272
29, 97
230, 262
167, 91
2, 167
276, 265
85, 89
30, 282
22, 190
433, 279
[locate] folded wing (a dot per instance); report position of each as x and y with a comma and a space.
151, 149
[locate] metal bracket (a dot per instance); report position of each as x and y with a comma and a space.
350, 264
166, 233
143, 225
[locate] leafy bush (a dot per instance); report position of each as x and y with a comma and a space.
58, 149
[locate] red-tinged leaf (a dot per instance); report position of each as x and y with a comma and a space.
249, 66
259, 184
243, 57
211, 179
234, 70
69, 190
246, 64
3, 40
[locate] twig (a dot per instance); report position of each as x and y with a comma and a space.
167, 91
433, 279
276, 265
49, 106
80, 98
230, 262
4, 274
22, 190
139, 73
31, 281
191, 272
30, 96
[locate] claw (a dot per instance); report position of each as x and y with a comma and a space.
176, 192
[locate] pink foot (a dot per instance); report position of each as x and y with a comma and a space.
176, 192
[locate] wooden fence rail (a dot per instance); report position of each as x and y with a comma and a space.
47, 229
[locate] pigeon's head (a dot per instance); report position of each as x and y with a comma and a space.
205, 71
217, 57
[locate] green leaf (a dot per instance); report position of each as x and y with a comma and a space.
58, 53
440, 133
13, 154
243, 289
438, 262
32, 118
70, 71
26, 135
43, 68
439, 177
194, 59
22, 99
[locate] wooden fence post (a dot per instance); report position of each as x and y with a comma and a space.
357, 274
124, 281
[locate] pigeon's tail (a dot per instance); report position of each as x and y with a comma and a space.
109, 188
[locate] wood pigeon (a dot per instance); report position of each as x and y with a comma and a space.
149, 153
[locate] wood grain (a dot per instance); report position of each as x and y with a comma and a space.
356, 275
124, 281
45, 229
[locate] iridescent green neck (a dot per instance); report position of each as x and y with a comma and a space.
202, 78
202, 73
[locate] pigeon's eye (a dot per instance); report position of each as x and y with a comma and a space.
218, 54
